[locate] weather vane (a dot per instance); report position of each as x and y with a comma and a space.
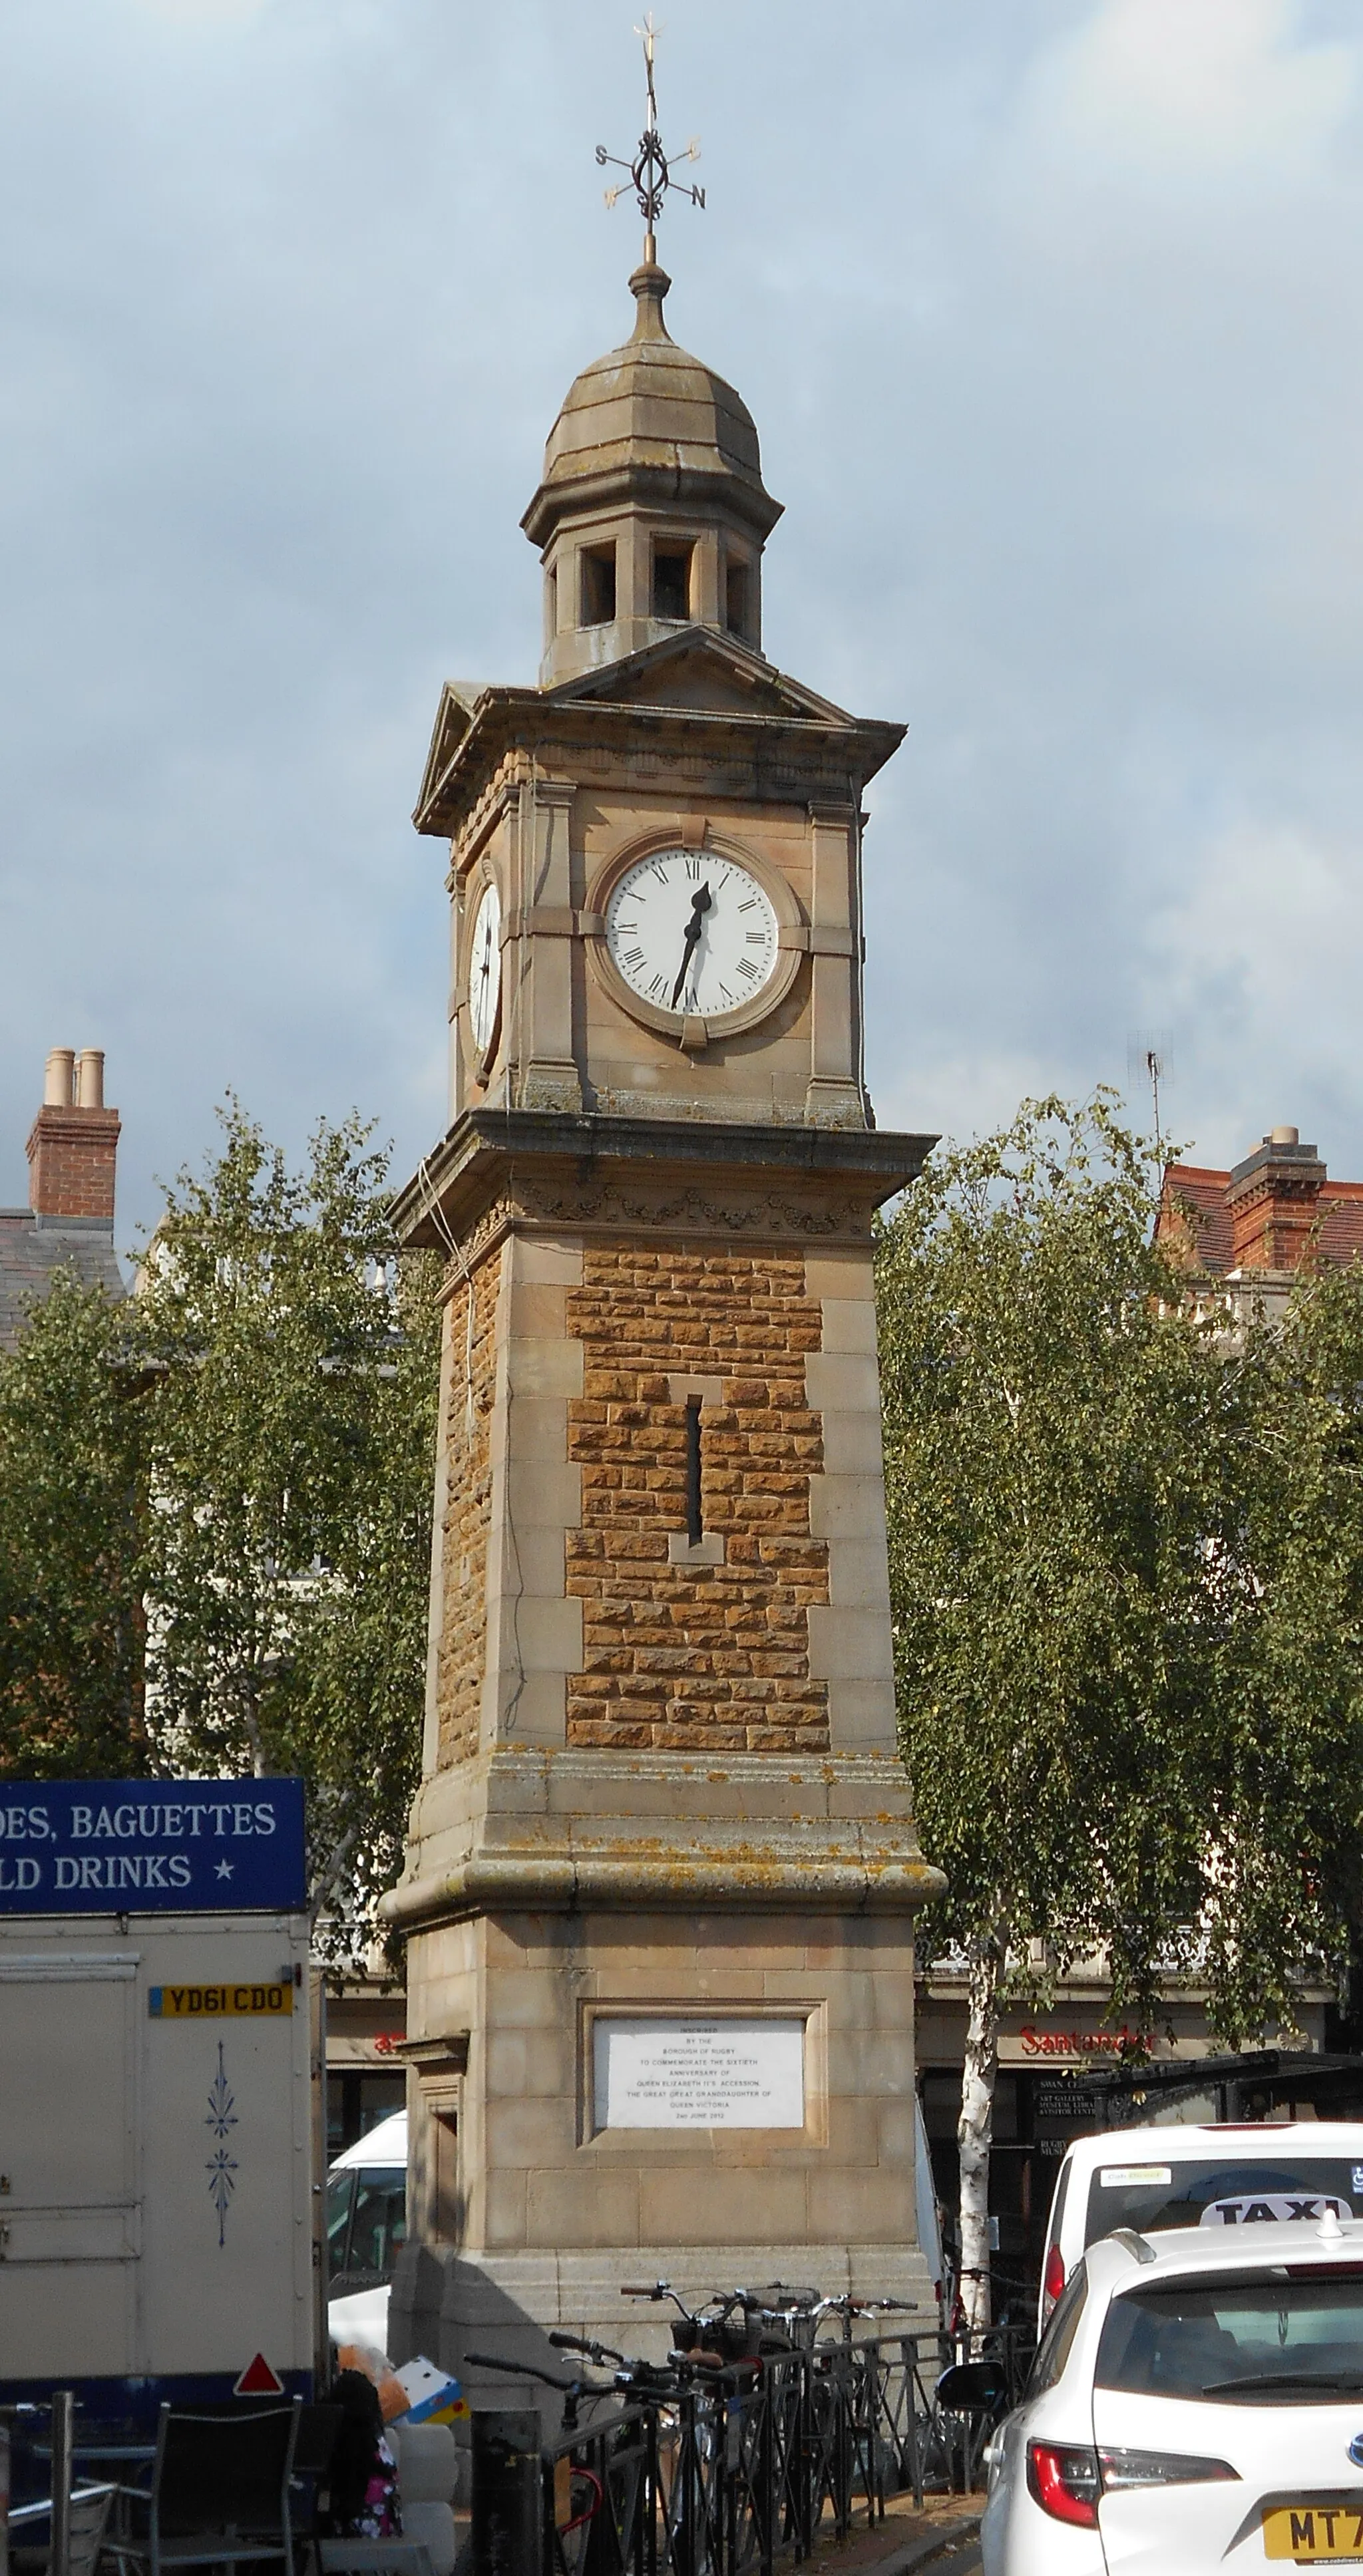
649, 171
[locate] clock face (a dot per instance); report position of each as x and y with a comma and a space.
692, 932
485, 968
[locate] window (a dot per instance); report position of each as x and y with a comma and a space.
1225, 2191
366, 2222
1292, 2334
379, 2226
672, 582
340, 2199
551, 603
598, 585
736, 598
1053, 2351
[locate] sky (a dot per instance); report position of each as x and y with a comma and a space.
1048, 312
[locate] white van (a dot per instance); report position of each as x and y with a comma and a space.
1177, 2176
366, 2229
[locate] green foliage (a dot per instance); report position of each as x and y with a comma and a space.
1126, 1553
287, 1546
70, 1599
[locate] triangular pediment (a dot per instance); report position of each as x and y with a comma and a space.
454, 715
701, 670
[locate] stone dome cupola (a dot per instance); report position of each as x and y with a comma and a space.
652, 513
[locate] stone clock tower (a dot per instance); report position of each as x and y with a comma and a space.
662, 1871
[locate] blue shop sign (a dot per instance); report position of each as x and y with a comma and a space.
152, 1847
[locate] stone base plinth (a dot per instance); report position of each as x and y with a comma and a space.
445, 2304
533, 2200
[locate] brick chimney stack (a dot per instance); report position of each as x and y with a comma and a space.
1274, 1201
74, 1142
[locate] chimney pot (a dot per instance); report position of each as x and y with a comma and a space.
90, 1080
1284, 1136
59, 1081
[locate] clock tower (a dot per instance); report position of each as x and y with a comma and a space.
662, 1871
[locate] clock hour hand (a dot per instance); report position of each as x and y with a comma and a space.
700, 904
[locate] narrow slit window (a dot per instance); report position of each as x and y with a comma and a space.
672, 583
598, 585
736, 598
695, 1528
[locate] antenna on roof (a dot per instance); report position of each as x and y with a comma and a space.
649, 171
1148, 1060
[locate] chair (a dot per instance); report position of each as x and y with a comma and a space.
219, 2493
318, 2428
89, 2514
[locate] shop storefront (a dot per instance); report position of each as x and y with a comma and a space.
366, 2074
1046, 2095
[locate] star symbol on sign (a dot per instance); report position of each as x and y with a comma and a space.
224, 1869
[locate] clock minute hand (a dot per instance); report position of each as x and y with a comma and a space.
701, 901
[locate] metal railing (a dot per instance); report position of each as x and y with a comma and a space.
743, 2473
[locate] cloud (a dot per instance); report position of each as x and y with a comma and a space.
201, 13
1261, 959
1049, 319
1177, 89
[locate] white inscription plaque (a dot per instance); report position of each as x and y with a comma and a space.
694, 2074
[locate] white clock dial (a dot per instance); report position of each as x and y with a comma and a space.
485, 968
692, 932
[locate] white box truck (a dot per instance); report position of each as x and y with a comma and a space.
156, 2100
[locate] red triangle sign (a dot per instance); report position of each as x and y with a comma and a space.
258, 2380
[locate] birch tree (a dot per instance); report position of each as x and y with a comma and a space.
1118, 1702
290, 1444
71, 1483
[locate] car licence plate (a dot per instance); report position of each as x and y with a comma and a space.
1314, 2535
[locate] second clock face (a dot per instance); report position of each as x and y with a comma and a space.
485, 968
692, 932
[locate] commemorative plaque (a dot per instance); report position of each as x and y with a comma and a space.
676, 2072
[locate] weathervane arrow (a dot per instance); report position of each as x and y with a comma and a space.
650, 173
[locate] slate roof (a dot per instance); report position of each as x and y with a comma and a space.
32, 1247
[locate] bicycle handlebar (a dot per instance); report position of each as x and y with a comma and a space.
528, 2370
598, 2352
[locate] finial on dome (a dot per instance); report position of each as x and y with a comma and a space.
650, 284
649, 171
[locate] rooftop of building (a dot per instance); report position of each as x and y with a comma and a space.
69, 1221
1219, 1216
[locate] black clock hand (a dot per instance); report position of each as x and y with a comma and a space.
700, 904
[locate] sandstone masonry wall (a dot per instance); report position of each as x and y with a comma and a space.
472, 1385
695, 1648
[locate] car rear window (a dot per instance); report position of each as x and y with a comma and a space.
1225, 2191
1274, 2337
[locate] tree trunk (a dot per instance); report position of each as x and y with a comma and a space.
975, 2133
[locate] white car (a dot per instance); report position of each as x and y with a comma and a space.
1163, 2176
366, 2226
1196, 2405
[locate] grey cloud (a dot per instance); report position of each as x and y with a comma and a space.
1057, 374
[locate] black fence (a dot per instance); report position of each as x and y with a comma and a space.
735, 2477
